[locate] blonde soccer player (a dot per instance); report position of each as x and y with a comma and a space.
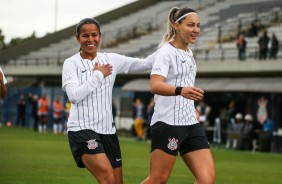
174, 125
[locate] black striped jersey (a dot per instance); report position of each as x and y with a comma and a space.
4, 78
90, 93
178, 67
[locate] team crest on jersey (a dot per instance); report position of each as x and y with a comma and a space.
92, 144
172, 144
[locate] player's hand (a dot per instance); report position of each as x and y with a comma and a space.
192, 93
105, 69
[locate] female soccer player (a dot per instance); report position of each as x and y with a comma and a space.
174, 125
88, 78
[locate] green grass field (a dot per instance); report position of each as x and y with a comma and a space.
27, 157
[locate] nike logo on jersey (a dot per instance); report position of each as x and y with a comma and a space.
183, 61
83, 71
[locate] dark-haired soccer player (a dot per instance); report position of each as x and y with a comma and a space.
88, 78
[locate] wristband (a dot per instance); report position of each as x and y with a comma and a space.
178, 91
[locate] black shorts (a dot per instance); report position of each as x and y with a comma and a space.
90, 142
172, 139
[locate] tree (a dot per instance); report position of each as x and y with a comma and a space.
14, 41
2, 43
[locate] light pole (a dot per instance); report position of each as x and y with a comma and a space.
56, 15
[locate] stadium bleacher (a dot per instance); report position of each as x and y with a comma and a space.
137, 33
143, 29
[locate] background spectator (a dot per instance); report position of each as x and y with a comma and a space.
241, 45
246, 137
57, 116
139, 119
150, 112
33, 100
268, 125
227, 115
204, 111
253, 32
273, 47
43, 114
21, 112
234, 131
265, 136
263, 45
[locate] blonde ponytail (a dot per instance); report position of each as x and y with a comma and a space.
170, 34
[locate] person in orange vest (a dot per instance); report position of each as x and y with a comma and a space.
43, 114
57, 116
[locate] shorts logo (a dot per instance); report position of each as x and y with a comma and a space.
92, 144
172, 145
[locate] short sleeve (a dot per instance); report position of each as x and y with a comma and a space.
161, 64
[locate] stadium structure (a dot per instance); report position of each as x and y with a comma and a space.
136, 29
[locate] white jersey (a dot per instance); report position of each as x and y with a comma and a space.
90, 93
4, 78
179, 69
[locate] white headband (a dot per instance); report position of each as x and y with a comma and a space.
184, 16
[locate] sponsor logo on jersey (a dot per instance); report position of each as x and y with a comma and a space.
172, 144
92, 144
